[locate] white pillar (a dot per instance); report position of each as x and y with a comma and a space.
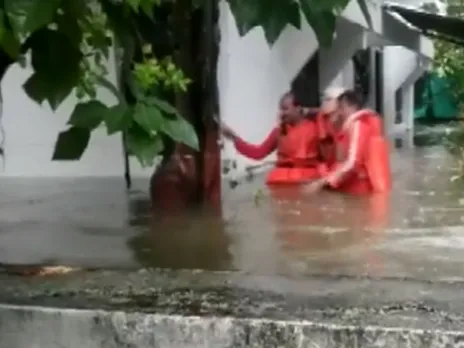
388, 93
408, 113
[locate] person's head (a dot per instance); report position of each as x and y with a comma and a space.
289, 109
349, 102
329, 100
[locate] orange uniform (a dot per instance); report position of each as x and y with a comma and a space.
326, 134
362, 156
297, 153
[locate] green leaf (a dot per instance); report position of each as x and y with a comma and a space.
149, 118
117, 118
26, 16
147, 7
161, 104
36, 88
294, 16
272, 15
125, 33
323, 22
134, 5
41, 87
180, 130
88, 115
71, 144
101, 41
8, 42
143, 146
69, 26
52, 52
152, 120
56, 63
247, 14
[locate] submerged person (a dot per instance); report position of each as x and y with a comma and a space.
295, 140
362, 151
328, 124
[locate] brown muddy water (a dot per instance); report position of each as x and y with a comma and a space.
416, 232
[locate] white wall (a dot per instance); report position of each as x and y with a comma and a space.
31, 131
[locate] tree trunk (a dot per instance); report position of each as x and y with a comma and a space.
188, 178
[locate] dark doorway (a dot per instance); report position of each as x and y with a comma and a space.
398, 106
378, 67
362, 72
305, 85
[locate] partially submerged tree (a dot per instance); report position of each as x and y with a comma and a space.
70, 41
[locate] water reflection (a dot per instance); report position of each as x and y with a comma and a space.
416, 231
196, 240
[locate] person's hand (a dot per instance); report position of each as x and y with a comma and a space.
314, 186
227, 132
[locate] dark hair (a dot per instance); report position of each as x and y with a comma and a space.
291, 94
351, 97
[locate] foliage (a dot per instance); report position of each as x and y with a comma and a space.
70, 43
448, 57
448, 64
274, 15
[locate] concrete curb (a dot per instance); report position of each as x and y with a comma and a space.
40, 327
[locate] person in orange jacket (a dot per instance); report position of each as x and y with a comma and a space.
327, 121
296, 141
362, 152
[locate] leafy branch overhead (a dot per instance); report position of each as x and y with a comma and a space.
274, 15
70, 43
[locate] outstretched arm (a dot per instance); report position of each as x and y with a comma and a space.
258, 152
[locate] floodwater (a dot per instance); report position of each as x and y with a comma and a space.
415, 232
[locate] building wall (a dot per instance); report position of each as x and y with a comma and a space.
31, 131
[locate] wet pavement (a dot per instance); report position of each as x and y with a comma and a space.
416, 232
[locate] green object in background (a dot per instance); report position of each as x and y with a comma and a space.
435, 101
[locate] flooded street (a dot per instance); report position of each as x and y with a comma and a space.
416, 232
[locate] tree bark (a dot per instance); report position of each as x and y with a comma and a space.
188, 178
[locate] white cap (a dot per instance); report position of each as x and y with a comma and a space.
334, 92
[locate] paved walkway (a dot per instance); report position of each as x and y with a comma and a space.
155, 308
